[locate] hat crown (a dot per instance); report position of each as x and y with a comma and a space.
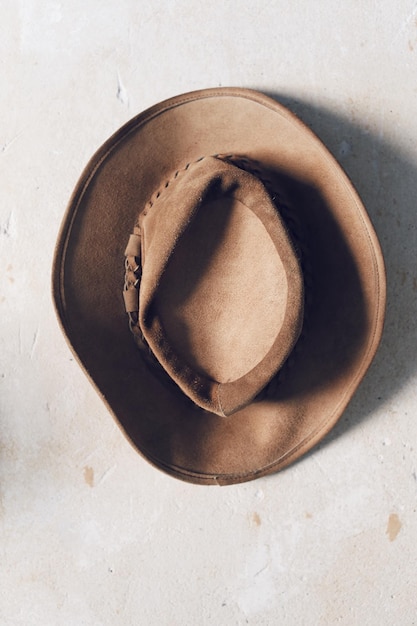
221, 292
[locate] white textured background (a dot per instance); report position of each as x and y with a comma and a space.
90, 533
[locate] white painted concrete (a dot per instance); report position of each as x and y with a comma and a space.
90, 533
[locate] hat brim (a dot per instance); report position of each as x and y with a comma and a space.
346, 286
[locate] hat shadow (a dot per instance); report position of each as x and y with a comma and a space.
386, 179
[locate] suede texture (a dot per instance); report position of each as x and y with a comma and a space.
221, 291
342, 271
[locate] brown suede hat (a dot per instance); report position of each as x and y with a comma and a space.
221, 284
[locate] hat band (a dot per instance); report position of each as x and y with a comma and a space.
133, 269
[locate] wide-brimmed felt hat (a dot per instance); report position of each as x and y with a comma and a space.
220, 282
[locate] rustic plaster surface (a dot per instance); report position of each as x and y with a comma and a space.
90, 533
